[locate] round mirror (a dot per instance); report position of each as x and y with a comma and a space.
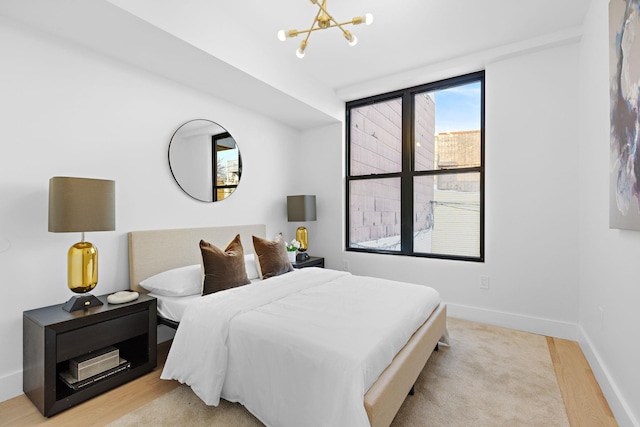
205, 160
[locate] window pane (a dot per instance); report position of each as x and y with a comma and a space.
447, 128
446, 214
223, 193
374, 217
376, 138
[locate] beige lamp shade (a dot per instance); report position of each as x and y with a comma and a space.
81, 204
301, 208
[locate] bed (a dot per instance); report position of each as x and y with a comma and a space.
154, 251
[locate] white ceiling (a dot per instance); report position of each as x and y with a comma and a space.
221, 47
405, 34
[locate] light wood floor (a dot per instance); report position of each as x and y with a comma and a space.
583, 399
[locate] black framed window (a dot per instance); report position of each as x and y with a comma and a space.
226, 165
415, 171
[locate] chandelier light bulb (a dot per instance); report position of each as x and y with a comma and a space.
300, 51
353, 40
284, 35
368, 19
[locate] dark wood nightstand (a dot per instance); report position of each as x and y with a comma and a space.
314, 261
52, 336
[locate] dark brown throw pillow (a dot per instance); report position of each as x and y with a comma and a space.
223, 269
272, 257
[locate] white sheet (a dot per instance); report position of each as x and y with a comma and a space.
298, 349
173, 308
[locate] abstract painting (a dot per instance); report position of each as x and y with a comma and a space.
624, 80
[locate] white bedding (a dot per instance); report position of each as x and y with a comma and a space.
173, 308
297, 349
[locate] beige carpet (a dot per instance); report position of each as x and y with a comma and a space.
489, 376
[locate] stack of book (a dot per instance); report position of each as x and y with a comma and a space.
93, 367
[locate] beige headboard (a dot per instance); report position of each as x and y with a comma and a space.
154, 251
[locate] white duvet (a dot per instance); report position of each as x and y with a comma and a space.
299, 349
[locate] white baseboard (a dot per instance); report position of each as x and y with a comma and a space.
619, 406
535, 325
10, 386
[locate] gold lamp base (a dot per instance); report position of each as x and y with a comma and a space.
82, 276
82, 267
302, 236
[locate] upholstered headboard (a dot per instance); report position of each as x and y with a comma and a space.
154, 251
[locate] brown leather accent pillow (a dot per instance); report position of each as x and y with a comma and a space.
272, 257
223, 269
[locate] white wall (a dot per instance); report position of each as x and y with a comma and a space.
319, 157
68, 111
608, 258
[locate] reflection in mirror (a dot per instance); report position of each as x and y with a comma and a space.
205, 160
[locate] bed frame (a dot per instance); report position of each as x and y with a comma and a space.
154, 251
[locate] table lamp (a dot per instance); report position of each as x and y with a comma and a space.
301, 208
80, 205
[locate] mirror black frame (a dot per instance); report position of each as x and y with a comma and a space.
224, 179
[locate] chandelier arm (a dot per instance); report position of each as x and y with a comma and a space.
339, 25
312, 26
331, 18
318, 28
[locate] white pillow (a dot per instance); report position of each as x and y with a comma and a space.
177, 282
251, 267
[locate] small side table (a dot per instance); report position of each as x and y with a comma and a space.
314, 261
53, 336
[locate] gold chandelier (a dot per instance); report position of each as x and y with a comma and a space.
322, 21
